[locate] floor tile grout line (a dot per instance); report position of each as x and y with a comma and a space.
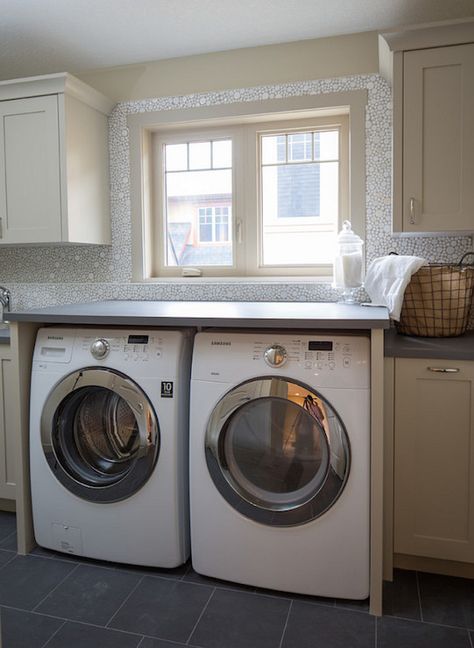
10, 535
53, 635
40, 557
107, 625
187, 570
8, 561
68, 620
419, 595
200, 616
290, 607
429, 623
55, 588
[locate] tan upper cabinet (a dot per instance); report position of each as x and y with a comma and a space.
434, 459
54, 183
433, 128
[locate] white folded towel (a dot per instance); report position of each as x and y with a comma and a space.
386, 280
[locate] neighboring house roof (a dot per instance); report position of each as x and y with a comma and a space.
178, 236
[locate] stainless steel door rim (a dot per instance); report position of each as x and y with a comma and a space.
277, 451
129, 468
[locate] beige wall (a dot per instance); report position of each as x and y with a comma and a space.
299, 61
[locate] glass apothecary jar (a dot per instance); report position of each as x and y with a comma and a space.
348, 263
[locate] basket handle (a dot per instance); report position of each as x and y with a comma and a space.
466, 254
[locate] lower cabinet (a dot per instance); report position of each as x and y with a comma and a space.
434, 459
7, 425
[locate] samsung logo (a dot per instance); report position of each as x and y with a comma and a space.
55, 337
220, 343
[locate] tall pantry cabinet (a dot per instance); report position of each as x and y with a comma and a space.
54, 182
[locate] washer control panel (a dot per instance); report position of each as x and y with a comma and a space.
131, 348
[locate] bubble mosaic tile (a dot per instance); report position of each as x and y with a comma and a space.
43, 276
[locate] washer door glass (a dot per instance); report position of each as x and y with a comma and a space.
277, 451
100, 435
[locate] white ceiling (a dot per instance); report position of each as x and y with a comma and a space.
43, 36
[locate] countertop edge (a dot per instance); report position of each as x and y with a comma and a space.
288, 315
448, 348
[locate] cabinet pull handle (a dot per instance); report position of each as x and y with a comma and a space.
443, 369
412, 211
1, 227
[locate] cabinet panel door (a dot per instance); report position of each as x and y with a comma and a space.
7, 427
438, 135
30, 171
434, 459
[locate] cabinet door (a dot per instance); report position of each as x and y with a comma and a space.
7, 427
438, 136
434, 459
30, 171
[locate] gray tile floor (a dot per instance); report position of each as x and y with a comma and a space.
57, 601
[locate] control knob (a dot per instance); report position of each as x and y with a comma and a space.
275, 355
100, 348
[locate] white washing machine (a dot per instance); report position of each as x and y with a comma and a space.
109, 443
279, 461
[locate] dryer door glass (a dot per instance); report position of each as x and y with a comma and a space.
277, 451
100, 435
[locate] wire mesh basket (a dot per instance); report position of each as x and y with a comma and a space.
438, 300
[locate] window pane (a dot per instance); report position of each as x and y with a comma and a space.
191, 236
205, 232
222, 154
326, 145
291, 191
273, 149
222, 228
200, 155
299, 147
176, 157
300, 209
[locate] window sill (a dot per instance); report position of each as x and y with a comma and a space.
326, 280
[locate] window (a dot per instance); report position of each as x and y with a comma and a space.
255, 195
214, 225
196, 177
300, 186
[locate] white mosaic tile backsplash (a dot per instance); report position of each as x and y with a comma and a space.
57, 275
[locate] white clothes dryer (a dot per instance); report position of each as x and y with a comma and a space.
280, 461
109, 443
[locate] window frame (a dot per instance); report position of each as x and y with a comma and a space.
181, 135
255, 225
143, 128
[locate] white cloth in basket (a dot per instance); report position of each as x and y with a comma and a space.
386, 280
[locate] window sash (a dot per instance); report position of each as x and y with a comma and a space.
245, 229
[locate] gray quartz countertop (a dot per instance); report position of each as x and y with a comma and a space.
448, 348
318, 315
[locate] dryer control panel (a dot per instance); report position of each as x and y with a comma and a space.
339, 360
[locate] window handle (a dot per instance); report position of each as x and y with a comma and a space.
443, 369
239, 230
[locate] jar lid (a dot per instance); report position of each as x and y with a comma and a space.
346, 235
